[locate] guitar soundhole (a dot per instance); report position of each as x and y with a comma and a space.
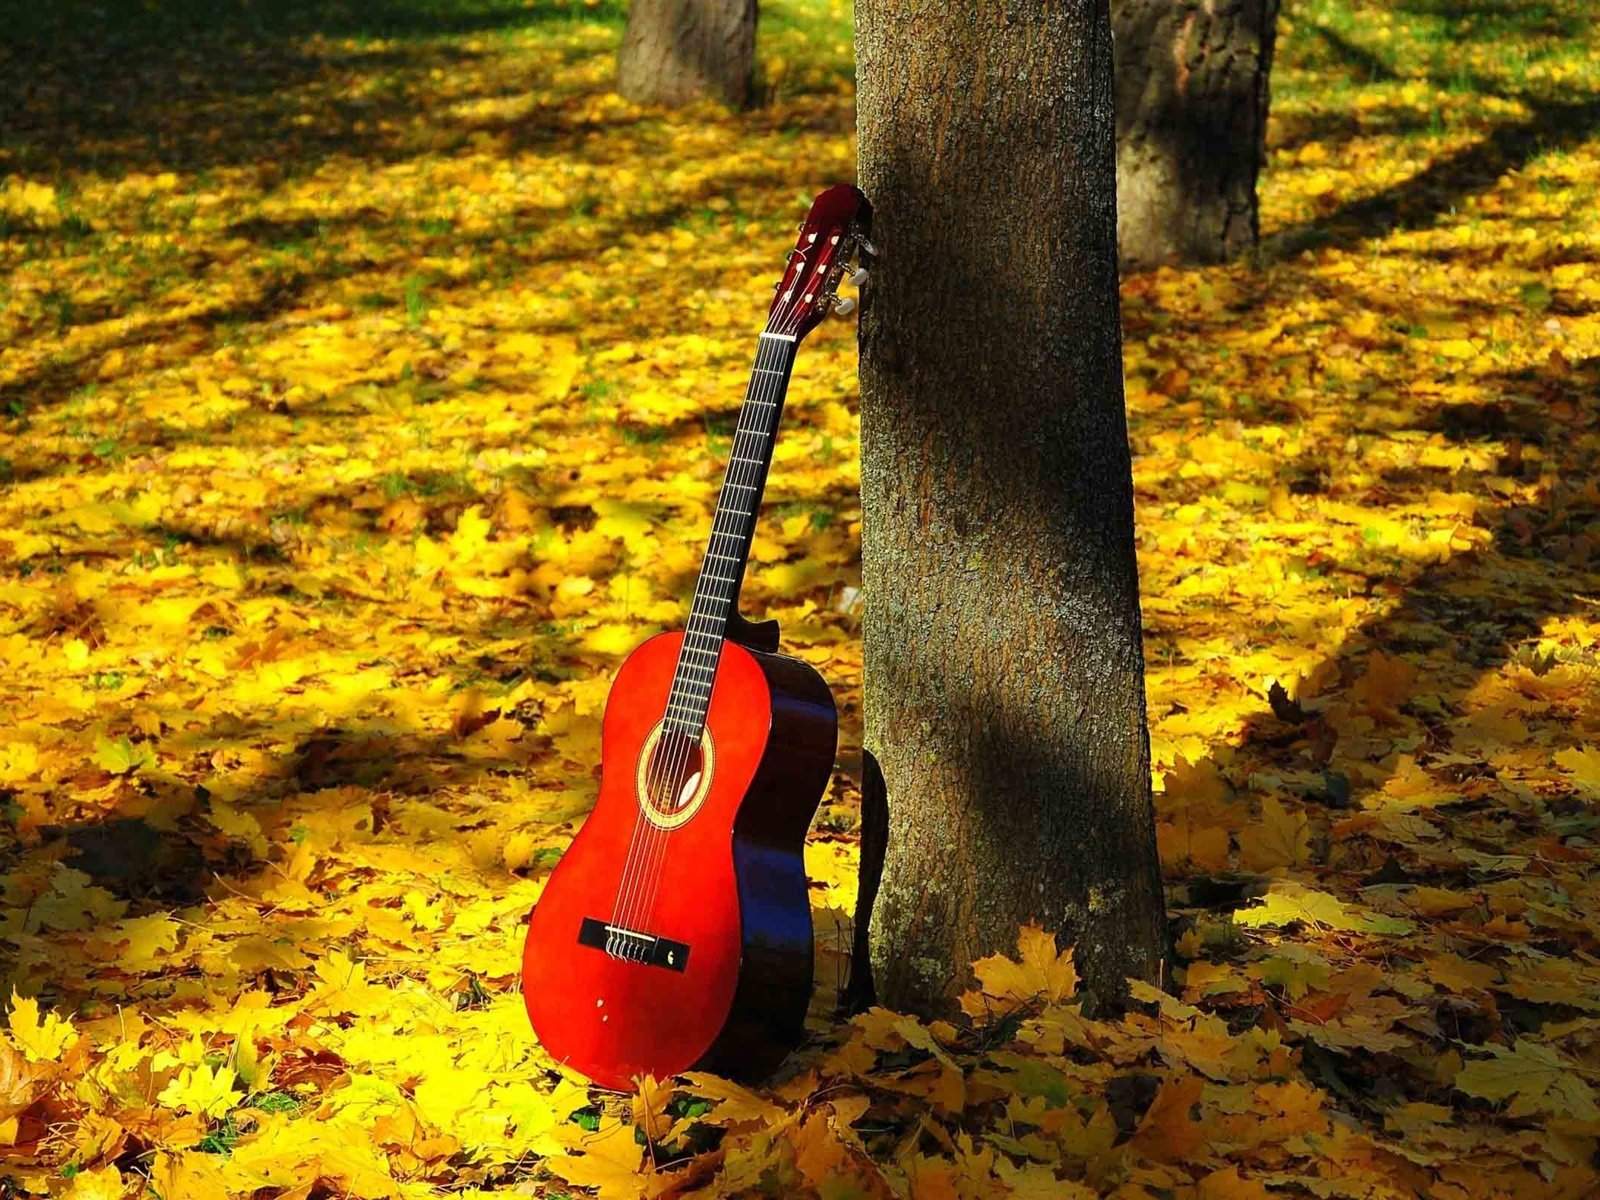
675, 772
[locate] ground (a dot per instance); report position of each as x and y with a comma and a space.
365, 371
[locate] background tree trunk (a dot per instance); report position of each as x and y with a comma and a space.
1004, 669
1191, 125
677, 51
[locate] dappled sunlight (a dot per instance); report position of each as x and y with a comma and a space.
364, 402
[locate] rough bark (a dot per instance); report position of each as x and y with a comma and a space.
1004, 669
1192, 90
677, 51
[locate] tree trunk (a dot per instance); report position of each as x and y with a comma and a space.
678, 51
1191, 126
1004, 670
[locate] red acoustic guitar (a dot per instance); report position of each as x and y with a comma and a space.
676, 931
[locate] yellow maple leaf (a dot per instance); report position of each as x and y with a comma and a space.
610, 1159
1191, 783
1228, 1184
1037, 972
1458, 348
96, 1183
1385, 687
1287, 902
200, 1089
149, 940
1166, 1132
1409, 787
39, 1041
189, 1174
650, 1102
735, 1105
1280, 839
1188, 839
1535, 1078
635, 524
1583, 765
120, 756
21, 1082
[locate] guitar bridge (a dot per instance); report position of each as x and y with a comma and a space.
644, 948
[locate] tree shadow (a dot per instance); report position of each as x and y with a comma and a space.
1435, 192
1371, 68
1492, 19
194, 85
160, 848
59, 375
1455, 624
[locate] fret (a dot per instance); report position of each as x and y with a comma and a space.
723, 563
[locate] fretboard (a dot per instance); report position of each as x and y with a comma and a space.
716, 593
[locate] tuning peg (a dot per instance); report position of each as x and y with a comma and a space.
866, 247
846, 306
859, 276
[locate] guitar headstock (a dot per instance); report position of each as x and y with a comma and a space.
834, 232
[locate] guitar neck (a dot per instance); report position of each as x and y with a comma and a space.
716, 592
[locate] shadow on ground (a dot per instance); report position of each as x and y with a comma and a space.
193, 85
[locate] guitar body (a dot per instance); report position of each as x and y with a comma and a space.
679, 937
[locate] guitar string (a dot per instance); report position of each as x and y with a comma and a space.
764, 394
653, 845
665, 763
651, 849
658, 839
669, 766
658, 842
665, 767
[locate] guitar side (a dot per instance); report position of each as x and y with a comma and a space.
769, 1007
